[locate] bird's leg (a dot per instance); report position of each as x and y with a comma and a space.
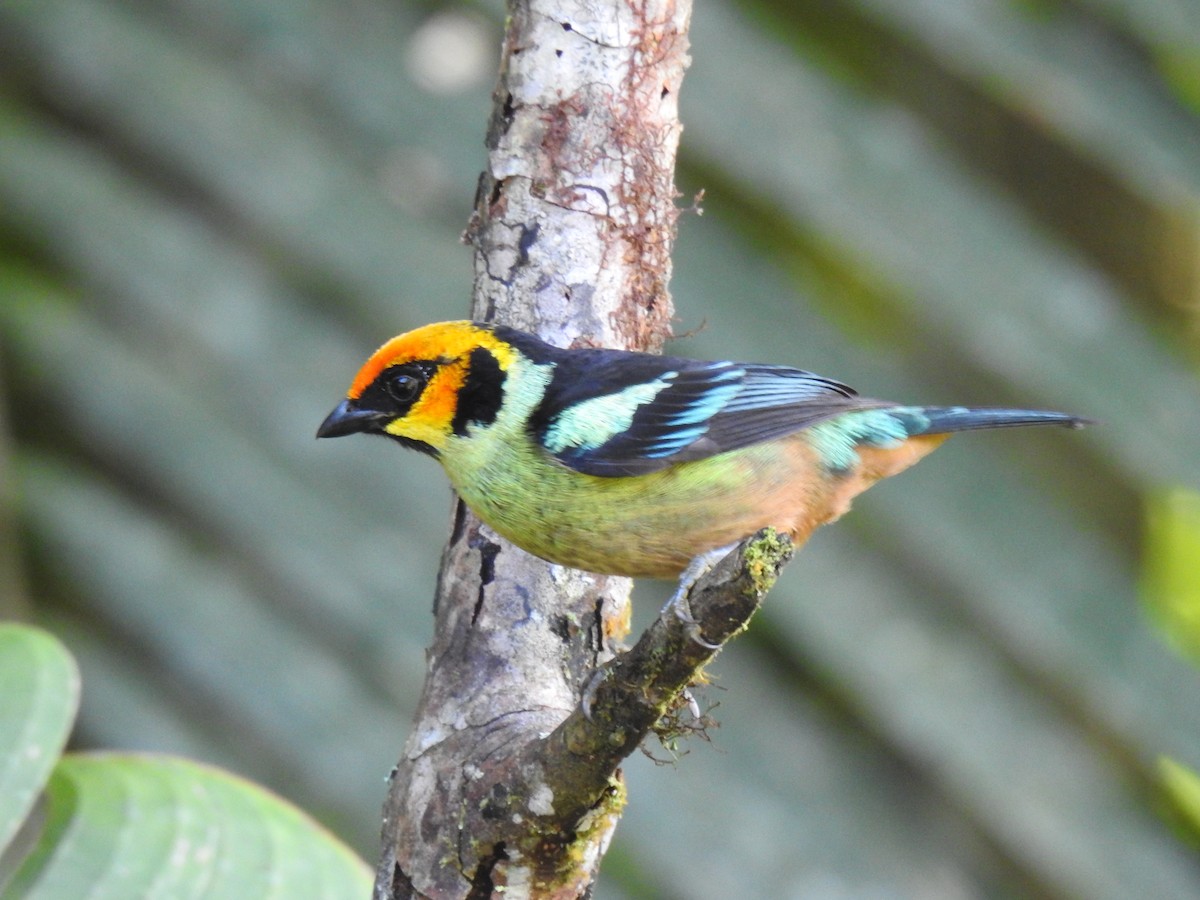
697, 569
678, 604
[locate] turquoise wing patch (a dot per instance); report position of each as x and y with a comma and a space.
689, 412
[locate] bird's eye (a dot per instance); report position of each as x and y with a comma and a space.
404, 387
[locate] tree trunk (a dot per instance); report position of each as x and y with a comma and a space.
503, 782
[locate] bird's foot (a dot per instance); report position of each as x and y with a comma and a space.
589, 693
678, 604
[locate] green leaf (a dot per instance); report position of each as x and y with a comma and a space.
1182, 788
1171, 581
1180, 66
39, 695
125, 825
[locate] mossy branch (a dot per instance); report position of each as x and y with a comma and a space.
563, 788
632, 693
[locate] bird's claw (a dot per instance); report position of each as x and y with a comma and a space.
678, 607
678, 602
696, 636
589, 693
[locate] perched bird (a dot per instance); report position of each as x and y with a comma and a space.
627, 463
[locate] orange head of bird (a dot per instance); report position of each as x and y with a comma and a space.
425, 386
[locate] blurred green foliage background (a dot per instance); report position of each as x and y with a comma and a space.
211, 212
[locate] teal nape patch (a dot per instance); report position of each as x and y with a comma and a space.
836, 440
592, 423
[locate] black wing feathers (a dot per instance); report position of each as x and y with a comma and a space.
700, 408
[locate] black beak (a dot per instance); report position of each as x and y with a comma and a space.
350, 419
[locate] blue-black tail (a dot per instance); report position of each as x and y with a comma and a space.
945, 419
